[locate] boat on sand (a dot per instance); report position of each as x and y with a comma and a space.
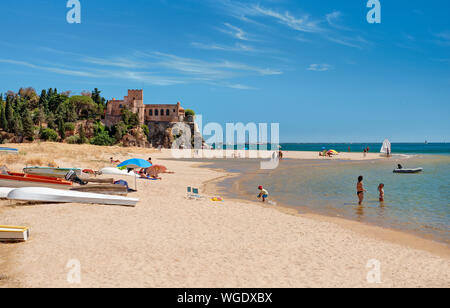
4, 191
15, 180
116, 171
108, 189
13, 233
37, 194
51, 172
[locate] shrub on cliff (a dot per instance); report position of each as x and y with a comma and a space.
72, 140
189, 112
102, 138
49, 134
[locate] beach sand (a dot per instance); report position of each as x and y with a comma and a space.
170, 241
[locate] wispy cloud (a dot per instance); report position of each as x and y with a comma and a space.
58, 70
349, 41
235, 32
334, 20
328, 27
319, 67
236, 48
154, 68
442, 38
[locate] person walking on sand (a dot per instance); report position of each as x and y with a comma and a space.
264, 194
360, 189
381, 191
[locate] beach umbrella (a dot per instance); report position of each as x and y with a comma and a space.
135, 163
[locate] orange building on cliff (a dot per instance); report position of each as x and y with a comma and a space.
147, 113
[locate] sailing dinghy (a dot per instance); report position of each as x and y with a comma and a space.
67, 196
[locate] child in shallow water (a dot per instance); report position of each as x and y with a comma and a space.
381, 191
264, 194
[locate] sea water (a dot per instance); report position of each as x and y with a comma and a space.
418, 203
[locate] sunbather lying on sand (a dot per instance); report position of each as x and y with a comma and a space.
114, 161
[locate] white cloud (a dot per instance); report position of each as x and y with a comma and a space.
319, 67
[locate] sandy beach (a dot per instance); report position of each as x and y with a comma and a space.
170, 241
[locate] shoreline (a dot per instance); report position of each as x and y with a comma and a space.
172, 241
394, 236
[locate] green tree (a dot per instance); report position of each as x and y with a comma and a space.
17, 127
82, 136
61, 128
83, 106
9, 115
28, 126
3, 121
43, 102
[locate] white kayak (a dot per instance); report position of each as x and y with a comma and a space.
41, 194
4, 191
116, 171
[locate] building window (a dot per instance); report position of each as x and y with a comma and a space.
162, 112
167, 112
156, 112
150, 112
174, 111
120, 106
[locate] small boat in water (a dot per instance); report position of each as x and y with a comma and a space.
15, 180
67, 196
416, 170
12, 233
51, 172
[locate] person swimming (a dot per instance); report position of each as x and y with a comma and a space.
360, 189
381, 191
264, 194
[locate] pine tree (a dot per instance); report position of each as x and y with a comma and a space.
82, 138
28, 126
43, 101
17, 127
61, 129
3, 121
9, 115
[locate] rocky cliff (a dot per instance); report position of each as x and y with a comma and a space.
164, 135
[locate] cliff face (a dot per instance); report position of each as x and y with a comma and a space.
163, 134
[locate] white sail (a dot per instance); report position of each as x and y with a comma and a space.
386, 148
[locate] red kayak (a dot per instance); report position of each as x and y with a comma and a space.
14, 180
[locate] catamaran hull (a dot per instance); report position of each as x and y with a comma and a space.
67, 196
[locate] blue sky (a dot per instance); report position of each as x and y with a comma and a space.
316, 67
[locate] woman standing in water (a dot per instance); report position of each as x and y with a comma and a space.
360, 189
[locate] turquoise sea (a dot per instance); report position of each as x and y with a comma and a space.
417, 203
405, 148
